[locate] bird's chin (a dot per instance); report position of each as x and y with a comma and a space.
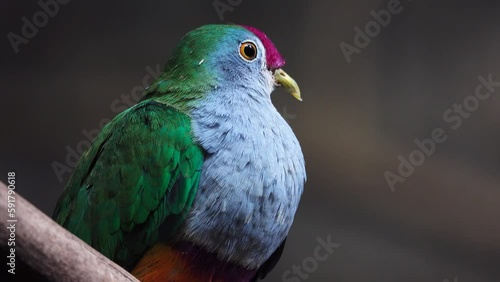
270, 80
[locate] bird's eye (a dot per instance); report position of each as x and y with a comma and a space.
248, 51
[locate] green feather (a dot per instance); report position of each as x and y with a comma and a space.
142, 169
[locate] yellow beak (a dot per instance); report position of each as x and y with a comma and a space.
283, 79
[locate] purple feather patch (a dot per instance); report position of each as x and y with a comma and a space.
211, 267
273, 57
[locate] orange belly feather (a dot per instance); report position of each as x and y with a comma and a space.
186, 263
165, 264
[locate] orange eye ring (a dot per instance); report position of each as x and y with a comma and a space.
248, 50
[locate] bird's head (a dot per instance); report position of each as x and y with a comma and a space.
270, 60
230, 56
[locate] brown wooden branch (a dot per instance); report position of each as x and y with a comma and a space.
50, 249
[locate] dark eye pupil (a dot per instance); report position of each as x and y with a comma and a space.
249, 51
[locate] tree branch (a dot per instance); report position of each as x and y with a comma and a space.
50, 249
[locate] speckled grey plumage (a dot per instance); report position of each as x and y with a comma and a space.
254, 173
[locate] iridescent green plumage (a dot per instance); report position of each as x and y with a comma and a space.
142, 169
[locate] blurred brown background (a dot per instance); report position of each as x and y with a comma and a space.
442, 222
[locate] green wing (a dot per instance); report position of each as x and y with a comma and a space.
142, 170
